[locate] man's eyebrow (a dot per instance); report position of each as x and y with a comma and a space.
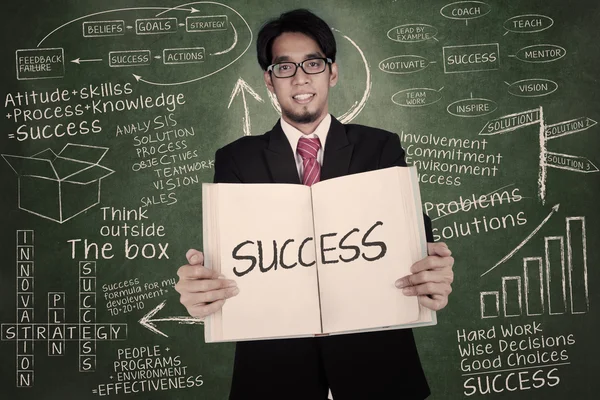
280, 59
306, 57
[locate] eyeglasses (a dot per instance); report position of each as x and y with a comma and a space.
288, 69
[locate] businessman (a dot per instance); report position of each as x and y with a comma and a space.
297, 54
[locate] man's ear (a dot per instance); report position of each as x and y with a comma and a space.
269, 81
333, 76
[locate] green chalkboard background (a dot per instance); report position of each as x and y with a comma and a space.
537, 199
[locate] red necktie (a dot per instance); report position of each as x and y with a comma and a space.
308, 149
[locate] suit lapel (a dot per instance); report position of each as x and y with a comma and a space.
338, 152
280, 157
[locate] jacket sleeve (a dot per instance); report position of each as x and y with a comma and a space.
392, 155
226, 170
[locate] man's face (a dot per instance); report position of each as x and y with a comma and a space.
303, 97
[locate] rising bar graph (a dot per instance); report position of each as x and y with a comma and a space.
554, 283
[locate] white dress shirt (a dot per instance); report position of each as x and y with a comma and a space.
293, 135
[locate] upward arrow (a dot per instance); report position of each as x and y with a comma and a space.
532, 234
242, 87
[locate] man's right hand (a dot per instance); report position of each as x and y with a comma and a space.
203, 291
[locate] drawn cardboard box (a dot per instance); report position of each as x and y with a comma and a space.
60, 186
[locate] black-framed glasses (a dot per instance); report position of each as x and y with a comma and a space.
310, 66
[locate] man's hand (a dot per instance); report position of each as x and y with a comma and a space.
203, 291
431, 277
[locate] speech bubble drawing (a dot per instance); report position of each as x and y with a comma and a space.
540, 53
528, 23
412, 33
417, 97
535, 87
472, 107
465, 10
403, 64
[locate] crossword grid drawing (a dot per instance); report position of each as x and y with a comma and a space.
56, 331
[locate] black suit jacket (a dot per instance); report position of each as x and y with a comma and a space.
376, 365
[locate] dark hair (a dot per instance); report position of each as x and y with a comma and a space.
300, 20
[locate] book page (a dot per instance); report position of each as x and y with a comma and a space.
366, 240
266, 245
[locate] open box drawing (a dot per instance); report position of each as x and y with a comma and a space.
60, 186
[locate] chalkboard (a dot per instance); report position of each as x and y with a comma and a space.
112, 113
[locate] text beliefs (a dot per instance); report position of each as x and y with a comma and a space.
511, 357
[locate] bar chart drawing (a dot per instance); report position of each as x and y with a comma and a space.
554, 283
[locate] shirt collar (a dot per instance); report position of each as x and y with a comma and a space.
293, 134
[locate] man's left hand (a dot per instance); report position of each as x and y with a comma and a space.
431, 277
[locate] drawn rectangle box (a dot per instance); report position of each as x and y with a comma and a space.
25, 284
87, 300
533, 272
56, 315
87, 347
25, 315
87, 316
56, 348
87, 363
25, 300
87, 268
25, 362
140, 58
489, 308
206, 23
555, 275
24, 379
512, 296
24, 269
171, 29
87, 284
25, 253
118, 25
577, 265
60, 186
114, 333
193, 54
25, 237
56, 299
40, 63
473, 57
8, 332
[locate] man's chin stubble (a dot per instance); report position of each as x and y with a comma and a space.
304, 118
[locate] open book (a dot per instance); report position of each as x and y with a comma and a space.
315, 260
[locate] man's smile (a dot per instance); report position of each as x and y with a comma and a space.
303, 98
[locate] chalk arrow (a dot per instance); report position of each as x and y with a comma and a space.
235, 40
192, 10
79, 60
148, 322
242, 87
137, 77
527, 239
